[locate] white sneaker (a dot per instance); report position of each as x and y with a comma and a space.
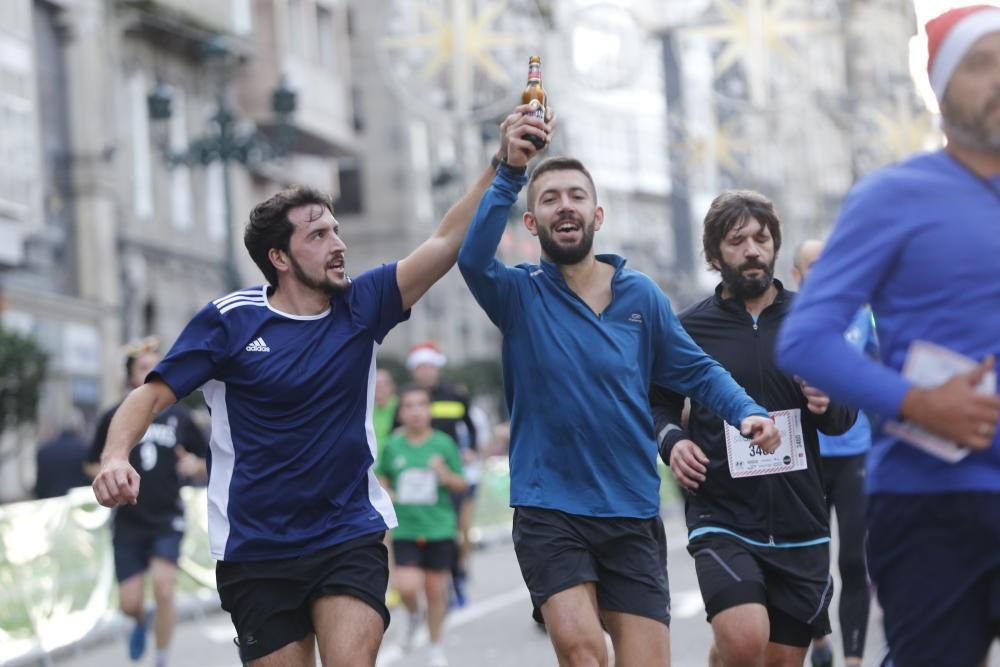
436, 656
414, 621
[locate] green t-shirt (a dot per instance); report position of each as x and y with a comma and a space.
382, 420
423, 504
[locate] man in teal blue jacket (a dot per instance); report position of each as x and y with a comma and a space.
584, 338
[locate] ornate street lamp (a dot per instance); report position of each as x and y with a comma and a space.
225, 140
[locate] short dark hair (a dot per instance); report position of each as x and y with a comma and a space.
411, 387
557, 164
734, 208
269, 226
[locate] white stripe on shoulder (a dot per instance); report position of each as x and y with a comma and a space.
236, 304
240, 299
256, 291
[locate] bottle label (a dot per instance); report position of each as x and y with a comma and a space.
534, 72
537, 110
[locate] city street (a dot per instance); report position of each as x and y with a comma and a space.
494, 630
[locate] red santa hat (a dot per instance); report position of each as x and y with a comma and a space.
951, 34
425, 353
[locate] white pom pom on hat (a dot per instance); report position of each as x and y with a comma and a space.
425, 353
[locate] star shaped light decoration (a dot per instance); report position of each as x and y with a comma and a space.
752, 30
720, 143
903, 130
459, 54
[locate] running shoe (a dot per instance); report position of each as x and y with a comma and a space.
436, 657
414, 621
458, 599
822, 656
137, 638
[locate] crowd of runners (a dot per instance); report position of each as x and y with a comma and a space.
871, 394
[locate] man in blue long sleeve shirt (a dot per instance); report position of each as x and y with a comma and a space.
919, 241
584, 338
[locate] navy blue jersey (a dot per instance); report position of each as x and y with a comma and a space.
291, 397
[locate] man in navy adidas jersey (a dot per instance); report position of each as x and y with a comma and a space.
296, 515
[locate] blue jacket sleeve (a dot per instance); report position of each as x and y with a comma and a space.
684, 367
489, 280
857, 260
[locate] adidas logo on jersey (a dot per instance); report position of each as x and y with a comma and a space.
258, 345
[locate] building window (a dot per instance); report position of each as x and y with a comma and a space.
142, 175
350, 199
149, 317
326, 40
19, 148
295, 22
215, 207
181, 206
242, 17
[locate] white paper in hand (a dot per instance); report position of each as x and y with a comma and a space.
929, 365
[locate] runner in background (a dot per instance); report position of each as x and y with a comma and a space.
844, 484
759, 529
386, 405
146, 537
384, 421
421, 467
451, 414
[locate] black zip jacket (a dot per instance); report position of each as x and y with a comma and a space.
774, 509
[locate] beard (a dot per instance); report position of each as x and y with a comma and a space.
743, 286
972, 130
567, 254
323, 283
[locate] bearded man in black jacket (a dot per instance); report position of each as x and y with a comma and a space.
758, 525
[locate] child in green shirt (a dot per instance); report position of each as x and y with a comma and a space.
420, 466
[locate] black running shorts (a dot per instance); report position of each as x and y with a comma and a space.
426, 554
794, 584
269, 601
134, 547
626, 558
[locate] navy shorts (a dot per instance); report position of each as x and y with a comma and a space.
425, 554
794, 584
135, 546
270, 600
626, 558
935, 561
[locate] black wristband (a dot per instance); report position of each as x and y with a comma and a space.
495, 162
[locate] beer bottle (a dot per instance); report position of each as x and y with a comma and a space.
534, 95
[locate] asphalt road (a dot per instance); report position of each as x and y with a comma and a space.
494, 630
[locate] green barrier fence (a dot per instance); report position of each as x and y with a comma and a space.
57, 584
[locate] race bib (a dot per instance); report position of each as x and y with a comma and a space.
417, 486
748, 460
